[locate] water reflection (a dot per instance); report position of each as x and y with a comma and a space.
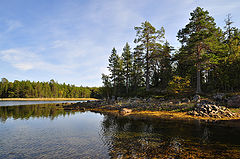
93, 135
136, 137
35, 111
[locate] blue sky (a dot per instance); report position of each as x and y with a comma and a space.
70, 40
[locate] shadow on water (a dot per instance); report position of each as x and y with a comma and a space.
141, 137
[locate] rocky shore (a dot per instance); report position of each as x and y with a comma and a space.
185, 108
208, 110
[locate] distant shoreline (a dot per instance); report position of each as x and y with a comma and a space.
46, 99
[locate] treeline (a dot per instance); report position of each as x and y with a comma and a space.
207, 61
51, 89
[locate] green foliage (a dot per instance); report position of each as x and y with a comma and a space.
179, 85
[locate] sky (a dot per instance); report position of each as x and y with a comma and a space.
70, 40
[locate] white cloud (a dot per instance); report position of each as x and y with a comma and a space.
20, 59
24, 60
13, 24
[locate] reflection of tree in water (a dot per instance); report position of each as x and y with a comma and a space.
25, 112
131, 137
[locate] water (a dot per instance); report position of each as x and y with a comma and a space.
45, 131
14, 103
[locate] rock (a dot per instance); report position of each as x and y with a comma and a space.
149, 100
219, 96
119, 98
196, 98
177, 102
82, 109
234, 101
161, 99
206, 102
125, 111
185, 100
195, 113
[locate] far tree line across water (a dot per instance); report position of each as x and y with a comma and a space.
208, 60
51, 89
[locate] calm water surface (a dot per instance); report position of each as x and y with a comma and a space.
45, 131
14, 103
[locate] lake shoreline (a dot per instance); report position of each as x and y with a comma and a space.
127, 109
48, 99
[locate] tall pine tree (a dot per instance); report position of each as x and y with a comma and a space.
195, 38
147, 37
127, 65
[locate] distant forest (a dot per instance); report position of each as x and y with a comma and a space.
51, 89
208, 60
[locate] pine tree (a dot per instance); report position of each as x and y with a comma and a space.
195, 39
231, 64
137, 71
113, 63
147, 37
127, 65
106, 90
120, 82
165, 65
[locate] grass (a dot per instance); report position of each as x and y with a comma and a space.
44, 99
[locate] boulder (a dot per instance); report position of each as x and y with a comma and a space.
196, 98
125, 111
185, 100
219, 96
177, 102
206, 102
234, 101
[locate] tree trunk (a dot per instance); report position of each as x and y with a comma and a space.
198, 71
127, 81
127, 86
147, 67
147, 75
198, 80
